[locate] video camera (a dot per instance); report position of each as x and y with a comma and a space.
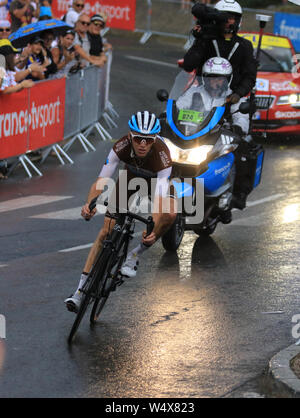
210, 20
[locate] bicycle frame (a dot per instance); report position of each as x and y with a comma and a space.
95, 287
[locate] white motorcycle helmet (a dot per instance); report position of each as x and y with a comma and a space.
232, 7
217, 68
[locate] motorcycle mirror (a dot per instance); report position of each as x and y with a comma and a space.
245, 108
162, 95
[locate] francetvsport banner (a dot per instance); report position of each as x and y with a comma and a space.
32, 118
286, 24
120, 13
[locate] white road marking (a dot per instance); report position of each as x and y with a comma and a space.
83, 247
75, 213
68, 214
79, 247
3, 265
273, 313
29, 201
150, 61
264, 200
255, 220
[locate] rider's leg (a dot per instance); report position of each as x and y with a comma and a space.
107, 227
164, 215
73, 302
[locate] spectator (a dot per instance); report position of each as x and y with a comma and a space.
74, 12
9, 52
22, 13
2, 68
47, 38
3, 163
3, 9
9, 83
45, 10
64, 54
82, 43
98, 45
5, 29
34, 53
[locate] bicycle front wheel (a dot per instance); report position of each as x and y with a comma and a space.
109, 280
90, 290
83, 307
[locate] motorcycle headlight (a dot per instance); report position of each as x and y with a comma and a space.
291, 99
193, 156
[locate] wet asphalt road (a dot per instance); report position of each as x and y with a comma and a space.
202, 323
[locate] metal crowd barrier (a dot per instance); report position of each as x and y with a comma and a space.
86, 104
89, 102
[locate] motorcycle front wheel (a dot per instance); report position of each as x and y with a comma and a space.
173, 237
206, 230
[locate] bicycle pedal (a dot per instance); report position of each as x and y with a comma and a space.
118, 282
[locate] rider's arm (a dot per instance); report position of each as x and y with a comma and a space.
248, 70
96, 189
161, 202
238, 118
163, 182
195, 56
110, 165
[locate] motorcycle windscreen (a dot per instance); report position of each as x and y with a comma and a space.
199, 108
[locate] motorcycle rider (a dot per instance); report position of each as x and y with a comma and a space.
239, 52
216, 82
215, 87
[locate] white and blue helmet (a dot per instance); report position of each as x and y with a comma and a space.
145, 123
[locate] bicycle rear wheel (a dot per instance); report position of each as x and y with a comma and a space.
110, 279
90, 290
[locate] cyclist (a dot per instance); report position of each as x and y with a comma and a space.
146, 156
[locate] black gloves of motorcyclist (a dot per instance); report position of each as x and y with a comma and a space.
233, 98
238, 130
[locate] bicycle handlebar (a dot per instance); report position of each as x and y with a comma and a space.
92, 206
148, 222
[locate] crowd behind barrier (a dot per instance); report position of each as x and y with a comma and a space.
53, 111
53, 88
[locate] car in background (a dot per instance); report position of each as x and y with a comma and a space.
277, 86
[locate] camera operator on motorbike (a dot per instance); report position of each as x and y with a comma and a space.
146, 156
216, 35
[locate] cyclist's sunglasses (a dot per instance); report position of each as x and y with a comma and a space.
139, 138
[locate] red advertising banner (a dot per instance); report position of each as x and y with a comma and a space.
32, 118
120, 13
13, 123
46, 113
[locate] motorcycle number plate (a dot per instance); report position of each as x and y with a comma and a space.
191, 116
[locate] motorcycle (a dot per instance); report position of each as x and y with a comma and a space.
203, 147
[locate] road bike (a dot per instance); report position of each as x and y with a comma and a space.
105, 275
